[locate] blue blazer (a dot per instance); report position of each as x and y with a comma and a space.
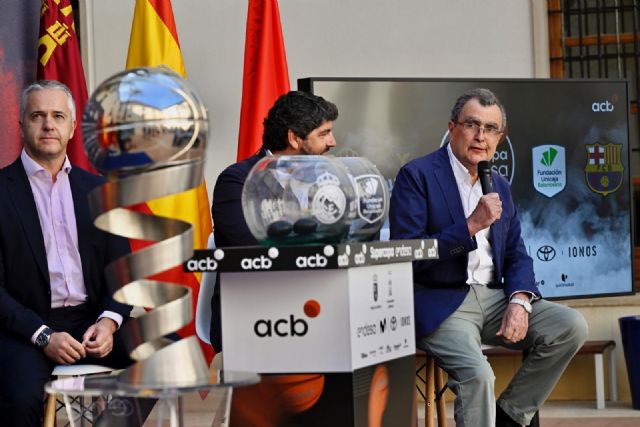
229, 226
425, 204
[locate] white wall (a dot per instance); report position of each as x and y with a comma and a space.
338, 38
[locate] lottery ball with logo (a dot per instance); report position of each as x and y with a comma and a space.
372, 198
293, 200
142, 119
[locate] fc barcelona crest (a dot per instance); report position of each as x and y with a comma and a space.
604, 168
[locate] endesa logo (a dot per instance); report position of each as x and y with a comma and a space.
287, 326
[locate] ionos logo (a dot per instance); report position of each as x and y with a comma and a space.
602, 107
549, 169
582, 251
287, 326
504, 159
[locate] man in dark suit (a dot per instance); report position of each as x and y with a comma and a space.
482, 289
55, 307
298, 123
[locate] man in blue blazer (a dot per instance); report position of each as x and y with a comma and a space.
55, 307
481, 290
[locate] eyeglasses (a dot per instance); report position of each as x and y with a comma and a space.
475, 127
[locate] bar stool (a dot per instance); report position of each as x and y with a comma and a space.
434, 388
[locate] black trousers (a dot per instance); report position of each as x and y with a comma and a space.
24, 368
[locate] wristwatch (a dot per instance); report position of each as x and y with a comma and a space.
524, 303
43, 337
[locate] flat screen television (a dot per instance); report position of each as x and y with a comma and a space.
566, 157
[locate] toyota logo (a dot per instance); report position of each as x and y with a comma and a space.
546, 253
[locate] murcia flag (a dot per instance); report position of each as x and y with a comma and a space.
59, 59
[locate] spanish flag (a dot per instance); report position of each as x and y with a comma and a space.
154, 42
266, 75
59, 59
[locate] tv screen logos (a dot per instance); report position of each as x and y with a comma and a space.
549, 169
546, 253
602, 107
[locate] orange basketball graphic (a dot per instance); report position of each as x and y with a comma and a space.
298, 392
378, 394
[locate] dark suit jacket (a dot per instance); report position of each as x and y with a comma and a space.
426, 203
229, 226
25, 293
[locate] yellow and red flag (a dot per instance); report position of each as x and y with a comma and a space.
265, 76
59, 59
154, 42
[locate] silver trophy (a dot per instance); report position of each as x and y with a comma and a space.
145, 129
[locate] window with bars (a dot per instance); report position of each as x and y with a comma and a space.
601, 39
596, 39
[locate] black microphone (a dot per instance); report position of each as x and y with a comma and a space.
484, 173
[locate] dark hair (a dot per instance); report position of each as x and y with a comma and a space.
301, 112
485, 97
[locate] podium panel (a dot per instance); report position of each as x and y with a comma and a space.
317, 321
331, 327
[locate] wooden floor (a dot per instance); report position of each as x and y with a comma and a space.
200, 413
575, 414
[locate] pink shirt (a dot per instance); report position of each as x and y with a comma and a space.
54, 203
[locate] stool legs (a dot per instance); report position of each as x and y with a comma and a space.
441, 408
434, 402
50, 411
429, 394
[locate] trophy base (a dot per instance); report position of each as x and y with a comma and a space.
179, 365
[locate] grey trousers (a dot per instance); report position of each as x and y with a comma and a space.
555, 334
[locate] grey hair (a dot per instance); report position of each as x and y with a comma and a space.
46, 84
485, 97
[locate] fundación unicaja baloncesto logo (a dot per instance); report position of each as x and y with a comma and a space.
549, 169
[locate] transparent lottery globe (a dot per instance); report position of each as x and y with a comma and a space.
372, 195
290, 200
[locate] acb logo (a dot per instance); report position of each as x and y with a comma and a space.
602, 107
290, 326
